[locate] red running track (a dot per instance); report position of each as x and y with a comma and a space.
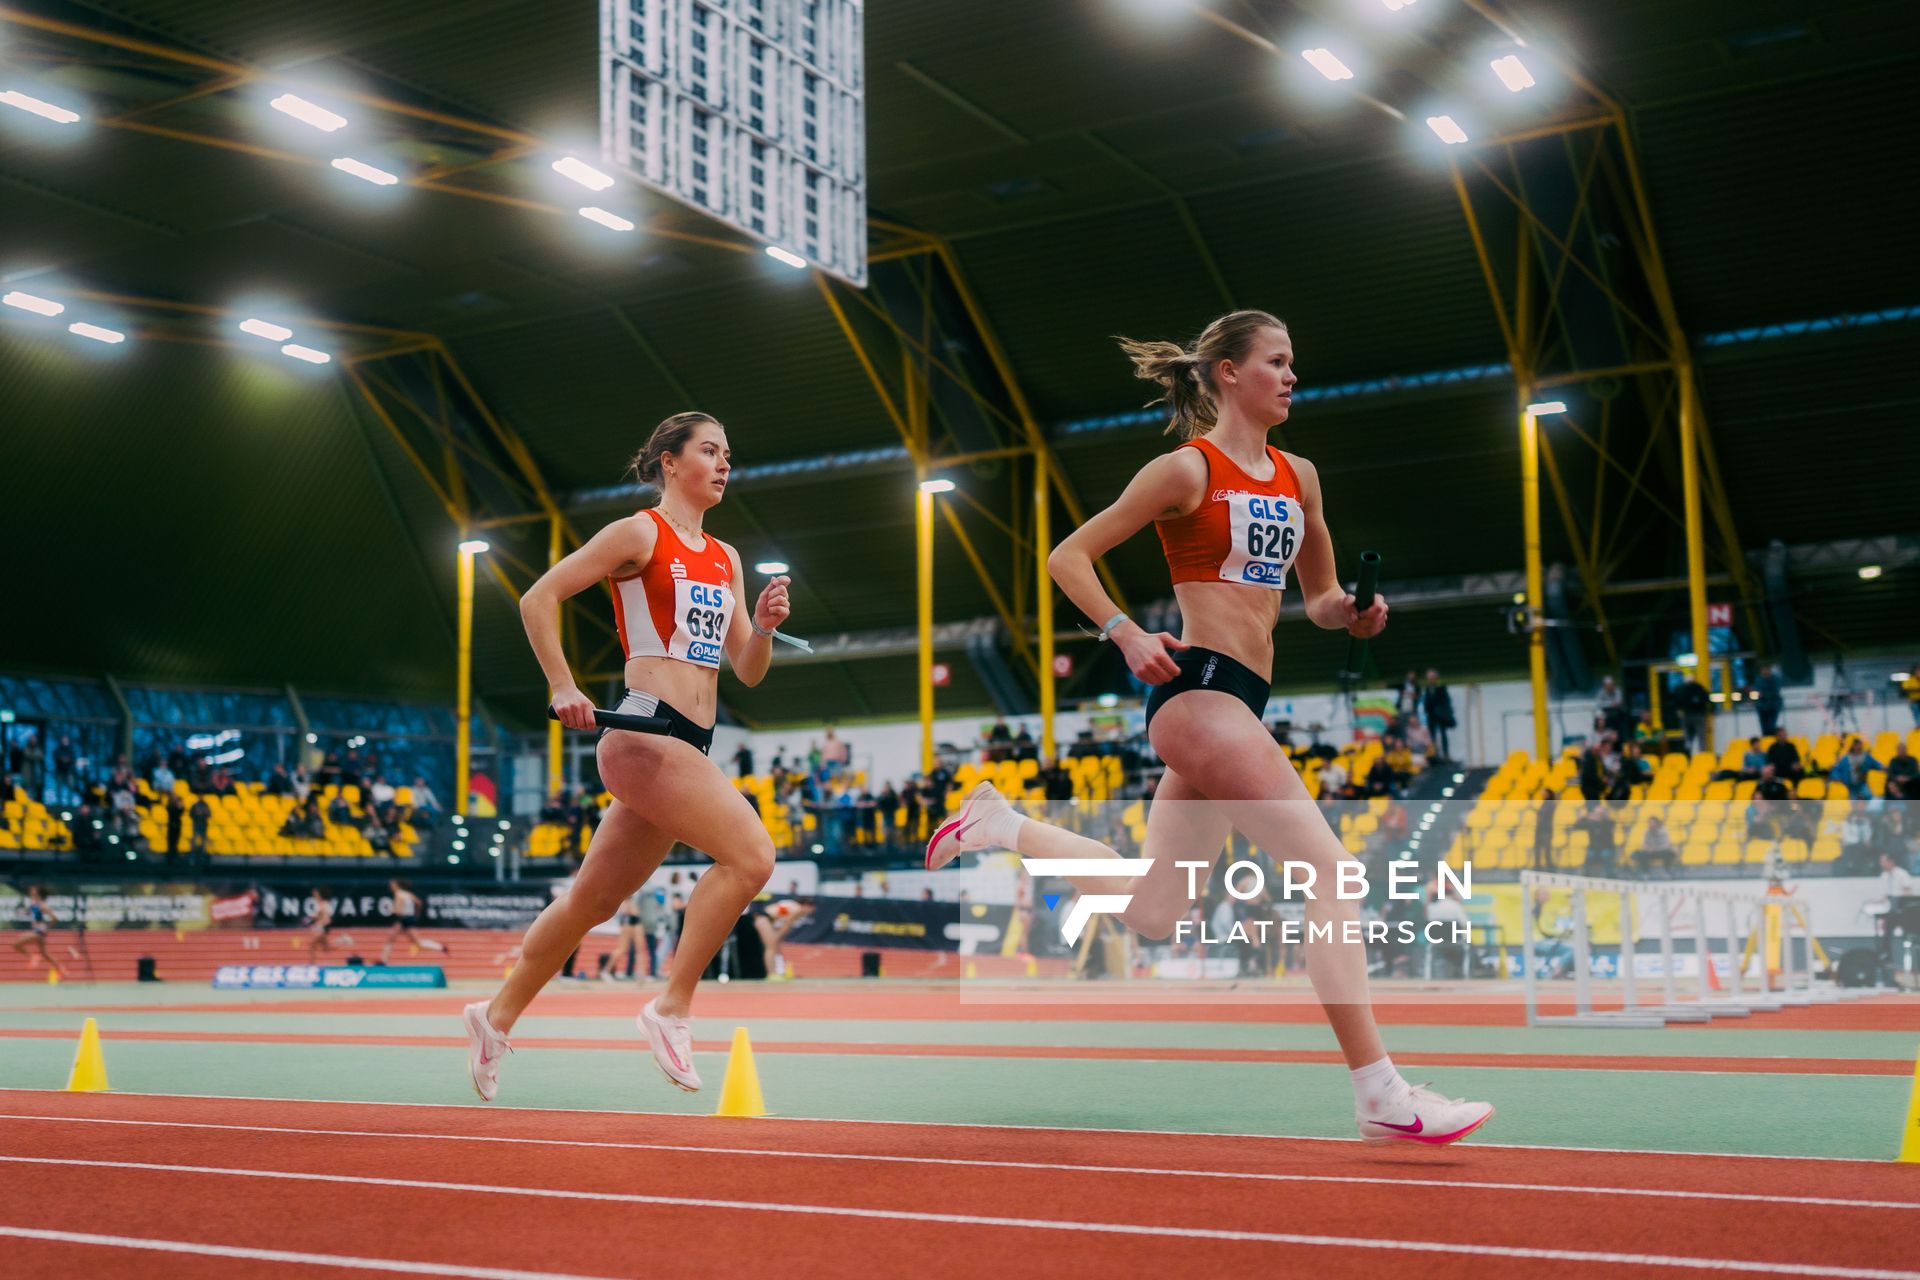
454, 1190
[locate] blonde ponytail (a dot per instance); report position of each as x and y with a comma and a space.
1185, 374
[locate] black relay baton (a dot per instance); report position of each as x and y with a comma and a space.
1363, 592
616, 720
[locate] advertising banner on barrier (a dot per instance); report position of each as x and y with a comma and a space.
469, 907
328, 977
883, 922
116, 906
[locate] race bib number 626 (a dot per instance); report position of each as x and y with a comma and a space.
1265, 535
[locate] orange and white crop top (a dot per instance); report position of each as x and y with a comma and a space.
680, 605
1244, 530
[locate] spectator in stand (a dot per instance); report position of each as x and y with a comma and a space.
1406, 704
913, 800
1894, 833
1380, 781
1630, 771
1593, 769
1602, 844
889, 802
178, 761
1058, 785
835, 754
1769, 698
1752, 760
176, 818
1902, 770
279, 782
1656, 846
1851, 770
1859, 842
33, 765
339, 811
426, 805
743, 760
1784, 758
1911, 687
1543, 832
1334, 782
1399, 759
1770, 809
200, 815
999, 740
1024, 747
1692, 705
64, 764
1439, 708
380, 793
1607, 701
220, 782
162, 777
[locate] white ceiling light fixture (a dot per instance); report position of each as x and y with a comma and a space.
936, 486
308, 354
771, 567
583, 173
35, 106
365, 172
1868, 572
308, 113
1448, 129
30, 302
792, 259
613, 221
1398, 5
1542, 408
266, 329
97, 333
1513, 73
1323, 61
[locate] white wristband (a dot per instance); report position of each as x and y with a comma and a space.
1107, 631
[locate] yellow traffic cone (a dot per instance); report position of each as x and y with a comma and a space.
89, 1074
1910, 1137
740, 1091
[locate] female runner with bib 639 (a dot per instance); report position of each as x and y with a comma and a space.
1234, 514
673, 600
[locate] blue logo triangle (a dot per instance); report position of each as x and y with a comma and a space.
1052, 900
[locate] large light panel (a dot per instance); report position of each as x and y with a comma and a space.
752, 111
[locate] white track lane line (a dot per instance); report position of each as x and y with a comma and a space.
283, 1255
1742, 1197
1478, 1145
1034, 1224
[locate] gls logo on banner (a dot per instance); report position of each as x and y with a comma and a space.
1088, 905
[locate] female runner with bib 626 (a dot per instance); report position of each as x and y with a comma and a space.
1234, 515
673, 597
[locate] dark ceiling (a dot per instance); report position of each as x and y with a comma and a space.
177, 511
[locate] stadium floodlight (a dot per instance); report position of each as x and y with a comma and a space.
1541, 408
611, 220
1513, 73
308, 354
29, 302
1868, 572
1448, 129
97, 333
1398, 5
936, 486
266, 329
583, 173
365, 172
792, 259
35, 106
476, 546
1323, 61
308, 113
771, 567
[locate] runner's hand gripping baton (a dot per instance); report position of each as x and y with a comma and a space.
1363, 593
616, 720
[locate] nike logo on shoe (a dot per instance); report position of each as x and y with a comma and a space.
1416, 1127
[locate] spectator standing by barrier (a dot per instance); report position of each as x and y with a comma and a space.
1543, 832
1440, 719
1851, 770
1693, 705
1656, 846
1406, 704
176, 816
64, 764
1770, 698
200, 815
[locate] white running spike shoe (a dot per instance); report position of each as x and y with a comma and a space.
1424, 1116
485, 1047
671, 1040
968, 831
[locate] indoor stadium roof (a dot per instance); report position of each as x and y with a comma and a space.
177, 510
